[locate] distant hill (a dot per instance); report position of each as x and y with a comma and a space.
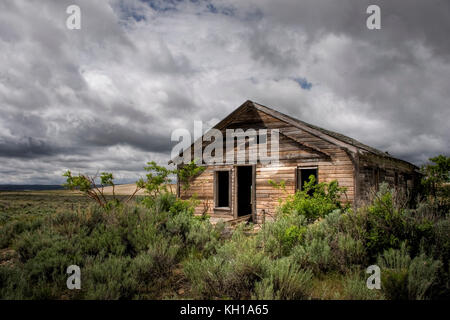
29, 187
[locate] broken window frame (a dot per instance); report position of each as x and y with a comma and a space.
216, 189
298, 176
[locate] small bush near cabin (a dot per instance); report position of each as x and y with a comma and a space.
314, 201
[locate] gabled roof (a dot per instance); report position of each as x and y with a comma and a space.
330, 136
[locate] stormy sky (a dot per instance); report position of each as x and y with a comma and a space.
107, 97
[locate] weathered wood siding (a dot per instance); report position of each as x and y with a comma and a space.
375, 170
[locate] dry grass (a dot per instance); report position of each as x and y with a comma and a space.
330, 287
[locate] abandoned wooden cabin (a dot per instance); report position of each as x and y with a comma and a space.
234, 191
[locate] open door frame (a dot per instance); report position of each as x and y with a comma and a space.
235, 193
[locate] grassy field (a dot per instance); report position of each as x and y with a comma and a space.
23, 205
39, 202
155, 248
27, 206
29, 213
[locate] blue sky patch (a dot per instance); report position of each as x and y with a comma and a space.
163, 5
228, 11
303, 83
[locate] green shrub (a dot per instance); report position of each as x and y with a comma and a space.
12, 283
164, 254
395, 258
204, 237
347, 252
355, 288
50, 263
194, 232
153, 270
141, 229
175, 218
441, 241
43, 259
103, 241
208, 277
14, 228
355, 224
231, 273
324, 229
109, 279
314, 255
164, 202
422, 274
315, 200
280, 236
395, 283
403, 278
284, 280
435, 182
386, 224
292, 236
144, 270
29, 244
394, 264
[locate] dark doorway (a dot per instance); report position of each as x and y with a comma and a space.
244, 190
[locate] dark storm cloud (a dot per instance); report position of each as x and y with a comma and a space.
402, 20
99, 133
108, 96
26, 147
